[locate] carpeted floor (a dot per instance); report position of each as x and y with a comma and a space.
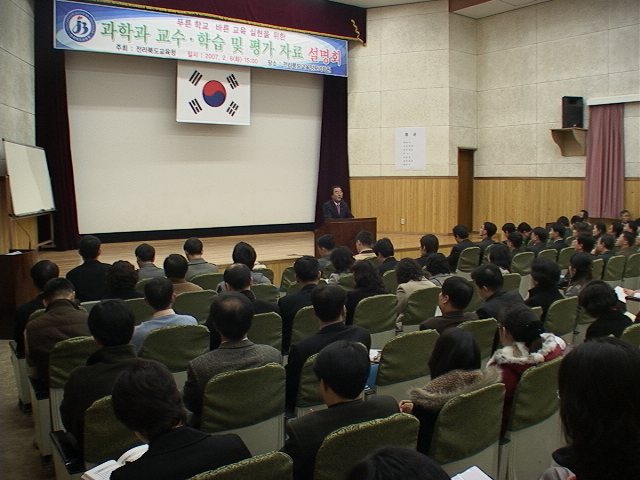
19, 459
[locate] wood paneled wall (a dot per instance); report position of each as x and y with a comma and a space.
20, 239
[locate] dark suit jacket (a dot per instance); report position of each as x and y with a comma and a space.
21, 317
536, 248
302, 350
483, 245
448, 320
182, 453
611, 323
89, 280
456, 251
605, 256
494, 304
543, 297
289, 306
329, 210
558, 245
306, 434
388, 264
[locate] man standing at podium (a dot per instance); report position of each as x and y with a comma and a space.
336, 208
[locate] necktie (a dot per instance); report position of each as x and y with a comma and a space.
338, 208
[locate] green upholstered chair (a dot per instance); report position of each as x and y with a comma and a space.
249, 403
36, 314
390, 280
550, 253
378, 315
347, 282
561, 317
288, 283
631, 334
564, 258
404, 363
266, 328
19, 365
208, 281
345, 447
484, 331
533, 429
538, 311
521, 263
328, 270
487, 251
468, 260
268, 466
89, 305
196, 304
583, 321
140, 285
420, 306
597, 269
267, 272
476, 301
614, 270
305, 324
309, 397
480, 412
266, 291
141, 311
631, 276
511, 281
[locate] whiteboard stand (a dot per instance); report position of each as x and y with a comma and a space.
14, 218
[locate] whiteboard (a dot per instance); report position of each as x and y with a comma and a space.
29, 180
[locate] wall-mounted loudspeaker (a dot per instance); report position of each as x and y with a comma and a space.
572, 112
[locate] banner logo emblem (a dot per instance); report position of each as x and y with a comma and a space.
80, 25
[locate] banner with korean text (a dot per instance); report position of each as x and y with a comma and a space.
111, 29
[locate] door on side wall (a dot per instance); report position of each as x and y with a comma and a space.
465, 187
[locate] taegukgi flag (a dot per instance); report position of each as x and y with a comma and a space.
213, 93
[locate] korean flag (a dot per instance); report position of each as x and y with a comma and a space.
213, 93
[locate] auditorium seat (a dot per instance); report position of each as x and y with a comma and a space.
268, 466
421, 305
378, 315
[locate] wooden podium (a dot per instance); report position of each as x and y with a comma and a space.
344, 230
16, 286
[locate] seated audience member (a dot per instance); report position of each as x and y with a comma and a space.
625, 217
328, 307
193, 249
342, 261
145, 256
307, 276
545, 275
507, 228
121, 281
111, 323
175, 267
600, 301
158, 293
146, 400
326, 244
556, 236
500, 256
616, 229
230, 315
245, 253
90, 278
437, 267
364, 245
342, 368
599, 229
524, 344
237, 278
336, 207
584, 242
604, 248
455, 296
626, 242
524, 229
368, 283
429, 245
489, 282
584, 215
62, 319
461, 236
631, 226
41, 272
391, 463
410, 279
605, 446
538, 241
455, 369
487, 231
582, 227
514, 244
564, 221
579, 273
384, 251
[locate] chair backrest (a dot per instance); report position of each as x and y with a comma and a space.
597, 268
377, 313
469, 259
37, 313
561, 316
267, 272
196, 304
421, 305
176, 345
536, 395
538, 311
550, 253
564, 257
266, 328
521, 263
614, 269
631, 334
308, 389
243, 397
476, 300
266, 292
67, 355
345, 447
89, 305
347, 282
268, 466
487, 251
328, 270
105, 437
406, 357
141, 311
390, 280
632, 268
304, 324
208, 281
479, 412
140, 285
511, 281
288, 283
484, 332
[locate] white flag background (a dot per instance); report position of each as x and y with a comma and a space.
213, 93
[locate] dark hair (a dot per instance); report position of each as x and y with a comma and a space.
633, 226
366, 275
57, 288
43, 271
328, 302
159, 292
408, 270
601, 227
397, 463
622, 212
562, 220
430, 243
617, 228
608, 241
524, 227
455, 349
231, 314
342, 259
89, 247
384, 247
459, 290
576, 219
541, 233
437, 264
122, 275
344, 367
193, 246
111, 322
327, 242
499, 255
581, 263
509, 227
515, 238
583, 227
491, 228
365, 237
460, 231
585, 214
559, 228
597, 298
629, 237
523, 325
238, 276
145, 252
175, 266
587, 242
545, 272
244, 253
334, 187
145, 399
599, 392
488, 275
306, 268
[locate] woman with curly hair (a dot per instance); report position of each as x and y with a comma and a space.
368, 283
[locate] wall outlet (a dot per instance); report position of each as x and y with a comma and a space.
402, 221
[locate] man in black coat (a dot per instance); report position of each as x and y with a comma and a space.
90, 278
489, 282
336, 207
461, 236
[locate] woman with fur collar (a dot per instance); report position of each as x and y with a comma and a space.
524, 344
455, 369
